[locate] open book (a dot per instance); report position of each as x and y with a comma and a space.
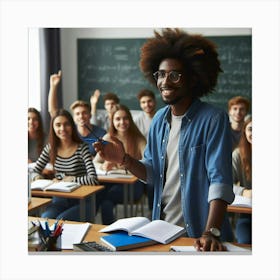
114, 173
242, 201
158, 230
50, 185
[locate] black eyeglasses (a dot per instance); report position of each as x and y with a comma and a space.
173, 76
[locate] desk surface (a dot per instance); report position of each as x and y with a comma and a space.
239, 209
80, 193
120, 180
93, 234
37, 202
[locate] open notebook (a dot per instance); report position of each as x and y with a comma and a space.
49, 185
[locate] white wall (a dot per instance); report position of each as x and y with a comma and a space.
69, 50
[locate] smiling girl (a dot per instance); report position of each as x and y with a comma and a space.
124, 129
71, 160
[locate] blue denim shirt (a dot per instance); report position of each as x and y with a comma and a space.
205, 161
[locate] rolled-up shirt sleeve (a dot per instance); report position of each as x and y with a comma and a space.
219, 159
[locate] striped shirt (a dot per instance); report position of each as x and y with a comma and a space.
78, 165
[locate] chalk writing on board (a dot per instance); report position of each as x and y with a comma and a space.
112, 65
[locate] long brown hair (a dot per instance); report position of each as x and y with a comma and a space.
40, 130
54, 140
245, 149
134, 136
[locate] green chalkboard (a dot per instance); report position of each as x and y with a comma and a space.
112, 65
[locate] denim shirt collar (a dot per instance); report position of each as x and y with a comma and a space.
190, 113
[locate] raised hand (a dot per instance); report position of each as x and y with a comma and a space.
55, 79
95, 96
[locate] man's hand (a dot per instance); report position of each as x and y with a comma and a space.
55, 79
112, 151
209, 243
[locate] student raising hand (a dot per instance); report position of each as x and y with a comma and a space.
55, 79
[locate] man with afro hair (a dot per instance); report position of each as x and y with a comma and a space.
188, 155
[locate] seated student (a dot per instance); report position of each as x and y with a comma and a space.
238, 108
110, 101
242, 175
147, 102
36, 136
81, 114
123, 128
88, 132
70, 157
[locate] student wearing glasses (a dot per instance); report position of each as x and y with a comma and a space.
188, 155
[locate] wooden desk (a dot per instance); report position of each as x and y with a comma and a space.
239, 209
128, 191
37, 202
81, 193
93, 234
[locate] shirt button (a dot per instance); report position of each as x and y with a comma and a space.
160, 175
182, 175
158, 205
187, 225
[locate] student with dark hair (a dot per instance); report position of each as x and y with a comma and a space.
188, 155
71, 159
238, 108
242, 178
147, 102
81, 114
103, 119
36, 136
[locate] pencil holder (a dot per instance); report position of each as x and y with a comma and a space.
53, 243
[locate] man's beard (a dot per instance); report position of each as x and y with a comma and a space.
173, 101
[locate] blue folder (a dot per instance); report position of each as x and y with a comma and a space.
120, 241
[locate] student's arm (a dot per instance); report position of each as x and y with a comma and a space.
90, 178
52, 98
93, 103
41, 163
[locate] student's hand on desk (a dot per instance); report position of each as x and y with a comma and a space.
112, 151
209, 243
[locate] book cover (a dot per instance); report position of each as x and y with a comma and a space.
120, 241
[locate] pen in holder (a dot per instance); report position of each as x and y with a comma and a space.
53, 243
50, 240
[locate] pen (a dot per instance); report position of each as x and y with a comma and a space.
97, 138
47, 228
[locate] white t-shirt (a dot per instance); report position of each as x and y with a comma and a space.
171, 196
